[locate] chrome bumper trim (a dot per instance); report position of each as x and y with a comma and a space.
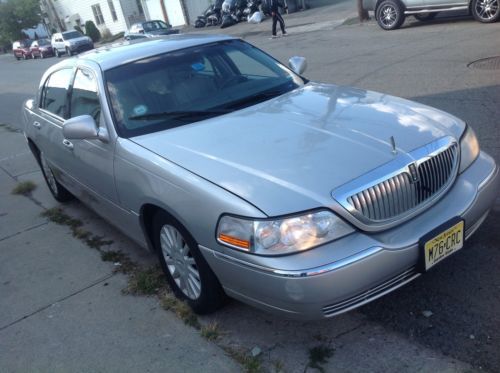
488, 178
371, 294
435, 10
300, 273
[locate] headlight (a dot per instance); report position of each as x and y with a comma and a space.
281, 236
469, 149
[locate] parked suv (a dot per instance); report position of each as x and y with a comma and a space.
21, 49
390, 14
71, 42
149, 29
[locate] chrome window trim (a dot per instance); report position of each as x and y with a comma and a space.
391, 169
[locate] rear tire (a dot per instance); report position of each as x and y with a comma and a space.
68, 52
187, 271
390, 14
59, 192
486, 11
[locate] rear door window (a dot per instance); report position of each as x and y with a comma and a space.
55, 93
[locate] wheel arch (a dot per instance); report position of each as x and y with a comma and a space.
147, 213
397, 1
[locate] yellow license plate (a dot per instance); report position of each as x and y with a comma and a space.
444, 244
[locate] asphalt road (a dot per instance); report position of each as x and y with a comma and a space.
428, 63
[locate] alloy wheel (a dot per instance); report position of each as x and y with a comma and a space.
180, 262
486, 10
388, 15
51, 180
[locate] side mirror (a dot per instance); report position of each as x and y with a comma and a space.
82, 127
297, 64
141, 31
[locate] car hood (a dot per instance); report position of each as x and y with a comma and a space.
287, 154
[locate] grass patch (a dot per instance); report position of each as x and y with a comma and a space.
9, 128
147, 281
210, 331
58, 216
169, 302
251, 364
319, 355
24, 188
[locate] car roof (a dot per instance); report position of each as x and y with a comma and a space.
118, 54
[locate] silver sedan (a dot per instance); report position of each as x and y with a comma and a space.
251, 181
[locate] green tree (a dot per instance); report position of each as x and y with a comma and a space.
92, 31
16, 15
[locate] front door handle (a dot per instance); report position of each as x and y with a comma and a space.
37, 125
68, 144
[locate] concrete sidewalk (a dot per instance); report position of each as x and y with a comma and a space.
61, 305
322, 16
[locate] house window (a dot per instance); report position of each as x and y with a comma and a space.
96, 9
112, 10
139, 7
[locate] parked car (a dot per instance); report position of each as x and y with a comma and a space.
21, 49
249, 180
391, 14
149, 29
41, 48
70, 42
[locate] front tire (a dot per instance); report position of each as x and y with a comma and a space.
187, 271
59, 192
390, 14
25, 57
486, 11
68, 52
58, 55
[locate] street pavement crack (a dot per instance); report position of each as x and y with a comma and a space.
62, 299
23, 231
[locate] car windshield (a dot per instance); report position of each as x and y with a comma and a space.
154, 25
189, 85
43, 42
71, 35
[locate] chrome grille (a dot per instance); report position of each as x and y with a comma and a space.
400, 194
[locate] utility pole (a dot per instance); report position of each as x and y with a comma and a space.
56, 16
362, 12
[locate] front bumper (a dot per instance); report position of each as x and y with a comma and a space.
356, 269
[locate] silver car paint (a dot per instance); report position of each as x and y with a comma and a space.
196, 180
319, 129
419, 4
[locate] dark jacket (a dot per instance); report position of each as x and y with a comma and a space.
274, 5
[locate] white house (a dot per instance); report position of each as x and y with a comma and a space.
114, 16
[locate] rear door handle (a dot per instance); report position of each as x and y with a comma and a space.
68, 144
37, 125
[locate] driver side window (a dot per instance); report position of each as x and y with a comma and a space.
84, 96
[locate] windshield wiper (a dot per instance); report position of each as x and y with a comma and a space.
255, 98
183, 115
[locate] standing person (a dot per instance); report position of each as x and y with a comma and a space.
274, 6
